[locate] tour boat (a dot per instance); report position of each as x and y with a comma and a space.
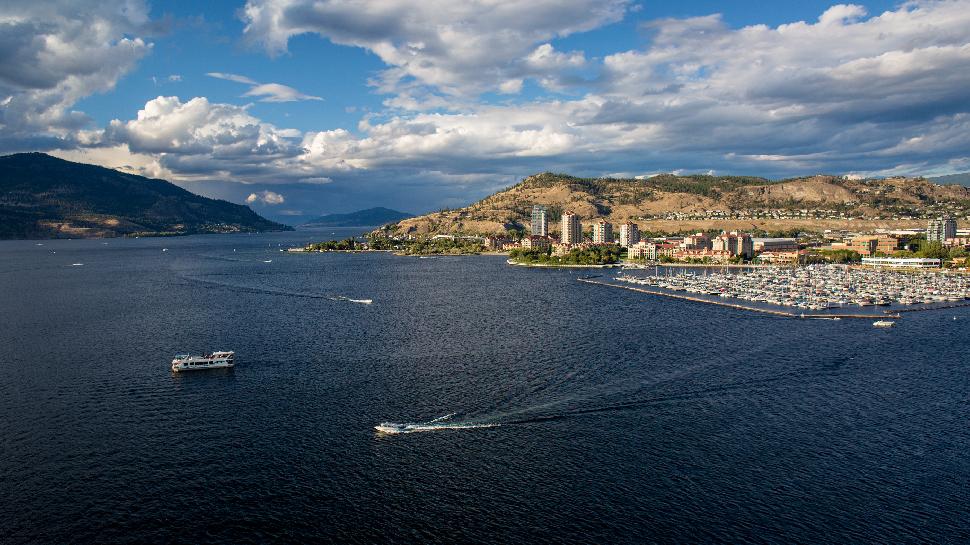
215, 360
884, 323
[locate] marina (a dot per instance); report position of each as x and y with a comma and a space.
750, 307
815, 287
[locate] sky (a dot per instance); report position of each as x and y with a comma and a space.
304, 107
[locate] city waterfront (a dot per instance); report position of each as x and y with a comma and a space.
574, 414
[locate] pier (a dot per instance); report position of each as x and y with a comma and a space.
782, 313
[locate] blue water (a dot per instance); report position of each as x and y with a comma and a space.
613, 416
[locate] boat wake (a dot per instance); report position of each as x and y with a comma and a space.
349, 300
438, 424
274, 291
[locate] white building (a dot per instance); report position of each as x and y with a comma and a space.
603, 232
940, 229
629, 234
643, 250
902, 262
572, 229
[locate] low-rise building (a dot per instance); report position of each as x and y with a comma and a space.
870, 245
643, 250
774, 244
734, 243
789, 257
713, 256
698, 241
667, 250
536, 242
493, 243
902, 262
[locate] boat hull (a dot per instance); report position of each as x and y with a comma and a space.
182, 367
217, 360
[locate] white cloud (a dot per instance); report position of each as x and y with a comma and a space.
275, 92
455, 47
232, 77
267, 92
844, 92
269, 198
53, 54
201, 140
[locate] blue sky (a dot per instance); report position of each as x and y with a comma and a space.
301, 107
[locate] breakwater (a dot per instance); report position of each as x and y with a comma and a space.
783, 313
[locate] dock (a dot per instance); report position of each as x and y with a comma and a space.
782, 313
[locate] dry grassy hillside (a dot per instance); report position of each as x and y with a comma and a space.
693, 201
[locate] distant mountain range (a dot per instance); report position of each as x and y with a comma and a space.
962, 179
671, 203
45, 197
360, 218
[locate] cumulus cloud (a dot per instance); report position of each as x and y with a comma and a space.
456, 47
270, 198
843, 92
266, 92
198, 139
53, 54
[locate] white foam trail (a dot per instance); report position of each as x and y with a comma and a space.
77, 264
267, 261
392, 428
348, 299
437, 424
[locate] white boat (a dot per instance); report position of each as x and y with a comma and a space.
215, 360
884, 323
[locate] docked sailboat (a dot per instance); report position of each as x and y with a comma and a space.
215, 360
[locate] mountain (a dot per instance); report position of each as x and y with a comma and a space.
45, 197
371, 216
962, 179
670, 203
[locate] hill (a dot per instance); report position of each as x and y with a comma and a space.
962, 179
45, 197
669, 203
371, 216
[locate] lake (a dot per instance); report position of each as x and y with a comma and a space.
551, 411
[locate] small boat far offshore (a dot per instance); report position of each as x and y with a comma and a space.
215, 360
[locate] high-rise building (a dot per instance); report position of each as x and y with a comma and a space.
940, 229
629, 234
745, 246
603, 232
540, 225
572, 229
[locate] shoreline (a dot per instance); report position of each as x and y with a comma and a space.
562, 265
